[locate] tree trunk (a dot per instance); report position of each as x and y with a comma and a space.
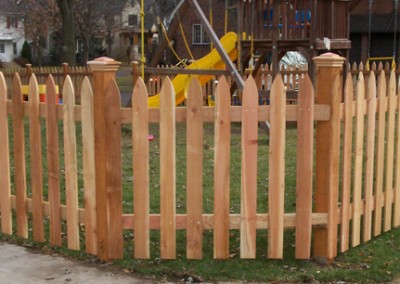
66, 8
85, 49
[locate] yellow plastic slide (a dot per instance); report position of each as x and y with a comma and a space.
212, 60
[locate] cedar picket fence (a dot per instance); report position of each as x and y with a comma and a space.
59, 73
364, 197
291, 75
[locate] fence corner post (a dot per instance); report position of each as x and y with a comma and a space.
104, 70
328, 92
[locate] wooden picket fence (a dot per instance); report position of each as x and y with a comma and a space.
59, 73
369, 192
291, 76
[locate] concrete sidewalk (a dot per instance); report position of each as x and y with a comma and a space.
20, 265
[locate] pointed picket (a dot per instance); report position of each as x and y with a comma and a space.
89, 181
5, 185
71, 166
53, 163
19, 157
36, 160
380, 152
276, 169
304, 176
387, 225
396, 198
167, 170
222, 130
140, 142
248, 226
194, 156
347, 165
358, 161
112, 101
370, 157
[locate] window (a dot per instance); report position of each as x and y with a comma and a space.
2, 48
132, 20
78, 45
12, 21
15, 48
196, 34
199, 35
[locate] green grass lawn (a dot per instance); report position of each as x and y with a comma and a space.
376, 261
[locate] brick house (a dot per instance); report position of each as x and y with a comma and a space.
382, 29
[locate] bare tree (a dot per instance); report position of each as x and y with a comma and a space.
95, 17
66, 8
40, 17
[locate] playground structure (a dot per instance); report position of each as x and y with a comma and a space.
269, 29
212, 60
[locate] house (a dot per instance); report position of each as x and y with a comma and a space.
384, 42
11, 31
126, 35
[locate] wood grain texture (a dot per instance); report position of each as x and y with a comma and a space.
140, 132
370, 157
321, 113
53, 163
276, 194
358, 161
89, 181
35, 141
167, 170
194, 163
396, 197
390, 142
5, 185
329, 91
304, 175
222, 146
248, 199
19, 157
71, 165
113, 140
380, 152
347, 164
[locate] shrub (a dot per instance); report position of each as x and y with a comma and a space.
26, 51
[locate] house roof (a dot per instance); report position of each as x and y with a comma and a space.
9, 7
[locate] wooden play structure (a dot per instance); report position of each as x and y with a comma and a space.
267, 29
307, 26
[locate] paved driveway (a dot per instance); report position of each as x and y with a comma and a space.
20, 265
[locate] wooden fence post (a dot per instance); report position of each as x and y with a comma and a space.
65, 72
104, 70
328, 92
28, 71
135, 76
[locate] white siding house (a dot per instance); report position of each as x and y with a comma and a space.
11, 31
127, 31
127, 34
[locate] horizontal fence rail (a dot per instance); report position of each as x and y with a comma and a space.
76, 190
